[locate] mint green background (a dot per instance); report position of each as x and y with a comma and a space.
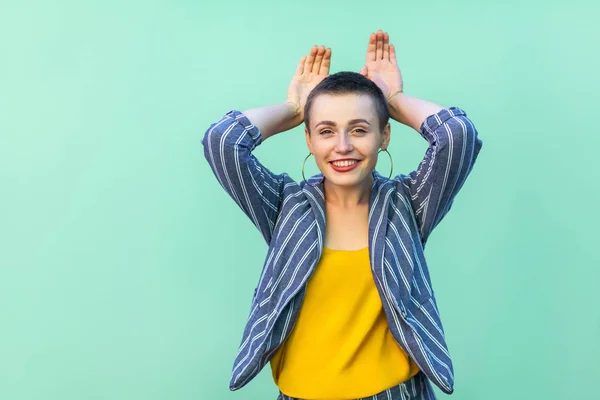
127, 273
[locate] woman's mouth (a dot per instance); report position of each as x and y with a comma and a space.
344, 166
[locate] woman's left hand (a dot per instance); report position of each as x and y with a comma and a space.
381, 65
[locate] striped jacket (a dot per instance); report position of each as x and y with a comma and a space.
291, 217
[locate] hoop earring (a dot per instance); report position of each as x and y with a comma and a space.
391, 163
305, 181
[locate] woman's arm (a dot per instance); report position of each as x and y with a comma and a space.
453, 148
229, 142
411, 111
453, 140
274, 119
228, 145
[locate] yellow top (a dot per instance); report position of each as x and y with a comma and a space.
341, 346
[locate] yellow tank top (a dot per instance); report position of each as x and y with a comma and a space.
340, 347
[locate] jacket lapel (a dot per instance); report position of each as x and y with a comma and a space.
381, 193
316, 197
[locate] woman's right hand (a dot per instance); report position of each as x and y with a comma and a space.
311, 70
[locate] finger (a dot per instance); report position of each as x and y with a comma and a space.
326, 63
310, 60
379, 47
393, 54
300, 67
318, 59
371, 48
363, 71
386, 46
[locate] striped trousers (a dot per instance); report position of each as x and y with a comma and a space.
416, 388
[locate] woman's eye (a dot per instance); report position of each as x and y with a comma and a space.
327, 131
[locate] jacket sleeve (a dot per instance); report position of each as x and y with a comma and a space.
453, 149
228, 145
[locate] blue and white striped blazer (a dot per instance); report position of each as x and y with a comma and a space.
291, 217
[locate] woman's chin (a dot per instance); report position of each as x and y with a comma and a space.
349, 180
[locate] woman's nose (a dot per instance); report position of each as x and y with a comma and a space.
343, 144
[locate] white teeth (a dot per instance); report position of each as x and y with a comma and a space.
344, 163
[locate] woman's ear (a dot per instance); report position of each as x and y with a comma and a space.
385, 136
308, 142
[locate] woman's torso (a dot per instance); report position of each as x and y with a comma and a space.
341, 346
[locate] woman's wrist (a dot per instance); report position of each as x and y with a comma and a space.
395, 102
296, 116
295, 106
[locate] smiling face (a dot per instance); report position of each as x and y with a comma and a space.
345, 137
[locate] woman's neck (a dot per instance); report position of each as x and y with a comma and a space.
348, 197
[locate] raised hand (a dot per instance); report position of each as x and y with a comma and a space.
381, 65
311, 70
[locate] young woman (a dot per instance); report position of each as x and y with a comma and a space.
344, 307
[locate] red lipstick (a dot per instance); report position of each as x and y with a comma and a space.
345, 169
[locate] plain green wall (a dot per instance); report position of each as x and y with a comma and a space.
127, 273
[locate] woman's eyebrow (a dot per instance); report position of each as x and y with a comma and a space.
351, 122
